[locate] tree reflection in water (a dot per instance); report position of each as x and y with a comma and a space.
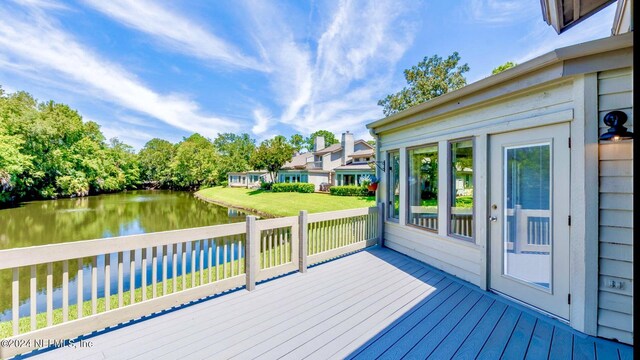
66, 220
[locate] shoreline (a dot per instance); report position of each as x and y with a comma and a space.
262, 214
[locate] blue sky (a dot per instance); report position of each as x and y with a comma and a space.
145, 69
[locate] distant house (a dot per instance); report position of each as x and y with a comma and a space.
344, 163
522, 182
248, 179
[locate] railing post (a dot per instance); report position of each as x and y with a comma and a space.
251, 253
521, 229
303, 223
380, 224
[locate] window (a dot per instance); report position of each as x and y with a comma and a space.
422, 184
461, 189
394, 185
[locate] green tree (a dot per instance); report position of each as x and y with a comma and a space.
235, 152
271, 155
194, 164
503, 67
66, 156
125, 162
329, 139
12, 163
155, 160
430, 78
298, 142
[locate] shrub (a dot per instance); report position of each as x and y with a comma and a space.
293, 187
224, 183
349, 190
265, 185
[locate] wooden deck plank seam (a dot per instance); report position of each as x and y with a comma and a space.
437, 326
356, 280
450, 336
396, 294
390, 294
399, 321
212, 305
495, 323
172, 310
344, 335
207, 332
395, 350
356, 294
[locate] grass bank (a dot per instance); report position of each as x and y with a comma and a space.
281, 204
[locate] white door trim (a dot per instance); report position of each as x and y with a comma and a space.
525, 260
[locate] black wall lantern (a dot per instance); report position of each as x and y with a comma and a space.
615, 121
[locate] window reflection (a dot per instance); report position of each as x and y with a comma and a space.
527, 232
394, 185
461, 189
423, 187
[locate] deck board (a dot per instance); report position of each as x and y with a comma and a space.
540, 341
519, 342
497, 341
450, 344
375, 303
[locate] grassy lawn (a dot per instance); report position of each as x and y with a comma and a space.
283, 204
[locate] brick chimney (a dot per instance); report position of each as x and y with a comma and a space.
347, 146
318, 143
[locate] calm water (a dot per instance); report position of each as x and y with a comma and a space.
66, 220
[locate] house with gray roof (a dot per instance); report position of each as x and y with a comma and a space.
344, 163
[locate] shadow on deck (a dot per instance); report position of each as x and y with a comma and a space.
376, 303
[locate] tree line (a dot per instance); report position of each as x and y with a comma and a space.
47, 151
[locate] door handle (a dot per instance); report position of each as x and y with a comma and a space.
493, 218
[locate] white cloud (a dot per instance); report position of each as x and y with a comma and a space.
129, 135
595, 27
7, 89
500, 12
337, 87
43, 4
175, 31
36, 43
262, 120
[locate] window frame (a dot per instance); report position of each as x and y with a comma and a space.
407, 195
451, 188
390, 198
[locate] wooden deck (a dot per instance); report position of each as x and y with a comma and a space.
373, 304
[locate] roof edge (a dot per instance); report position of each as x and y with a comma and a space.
558, 55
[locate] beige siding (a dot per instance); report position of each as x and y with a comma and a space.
550, 103
360, 146
453, 256
317, 179
615, 309
546, 101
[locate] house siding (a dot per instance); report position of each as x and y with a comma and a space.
547, 104
318, 178
512, 111
615, 310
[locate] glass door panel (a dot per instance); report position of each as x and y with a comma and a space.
527, 232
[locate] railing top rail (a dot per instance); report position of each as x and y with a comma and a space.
332, 215
530, 212
276, 223
34, 255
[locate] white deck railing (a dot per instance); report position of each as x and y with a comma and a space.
184, 265
528, 230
